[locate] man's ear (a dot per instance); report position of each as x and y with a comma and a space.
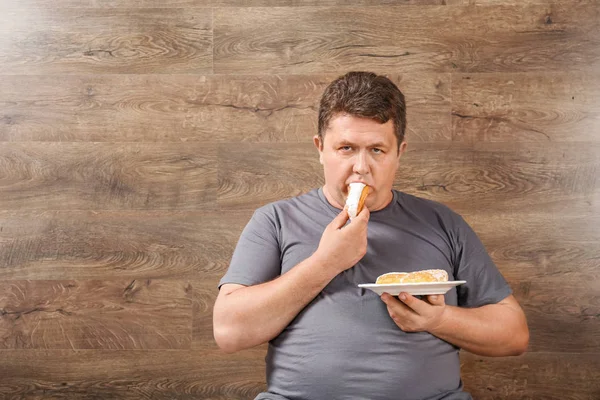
402, 148
319, 145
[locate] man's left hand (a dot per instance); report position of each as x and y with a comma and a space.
414, 315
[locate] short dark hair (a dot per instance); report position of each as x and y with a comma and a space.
364, 94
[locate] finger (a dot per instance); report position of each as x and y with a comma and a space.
386, 297
340, 220
363, 215
436, 299
395, 305
418, 306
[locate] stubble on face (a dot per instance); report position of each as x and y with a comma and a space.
349, 138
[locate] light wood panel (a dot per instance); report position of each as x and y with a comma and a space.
502, 38
192, 108
535, 107
117, 244
72, 176
116, 314
56, 40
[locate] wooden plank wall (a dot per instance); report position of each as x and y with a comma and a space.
136, 138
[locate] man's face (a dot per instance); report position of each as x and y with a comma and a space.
356, 149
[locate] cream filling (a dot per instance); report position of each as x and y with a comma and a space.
354, 193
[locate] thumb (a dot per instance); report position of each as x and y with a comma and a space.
341, 219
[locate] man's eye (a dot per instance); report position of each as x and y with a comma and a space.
377, 151
345, 148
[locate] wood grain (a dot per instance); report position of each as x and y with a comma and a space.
177, 119
71, 176
204, 295
558, 107
501, 38
552, 376
504, 176
189, 108
485, 176
118, 40
105, 374
256, 174
116, 314
117, 244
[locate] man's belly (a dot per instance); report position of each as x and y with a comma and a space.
345, 345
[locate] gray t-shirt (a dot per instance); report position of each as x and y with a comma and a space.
343, 344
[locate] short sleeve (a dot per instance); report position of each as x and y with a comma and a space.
256, 258
485, 284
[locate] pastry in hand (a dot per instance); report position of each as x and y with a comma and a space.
357, 194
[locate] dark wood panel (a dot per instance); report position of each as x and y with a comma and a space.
117, 244
485, 176
103, 374
541, 246
573, 376
561, 319
557, 107
256, 174
204, 296
107, 176
504, 176
509, 38
115, 314
190, 108
97, 40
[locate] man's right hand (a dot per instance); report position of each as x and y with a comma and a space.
341, 245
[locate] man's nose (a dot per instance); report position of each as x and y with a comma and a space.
361, 164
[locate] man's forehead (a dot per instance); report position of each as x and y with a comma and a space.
349, 127
374, 142
363, 137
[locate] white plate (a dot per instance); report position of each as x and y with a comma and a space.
412, 288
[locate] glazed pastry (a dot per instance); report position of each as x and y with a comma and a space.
427, 275
357, 194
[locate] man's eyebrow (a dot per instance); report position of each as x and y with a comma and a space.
345, 142
378, 144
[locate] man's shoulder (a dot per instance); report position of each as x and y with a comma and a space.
290, 204
427, 207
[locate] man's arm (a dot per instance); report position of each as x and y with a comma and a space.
492, 330
247, 316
